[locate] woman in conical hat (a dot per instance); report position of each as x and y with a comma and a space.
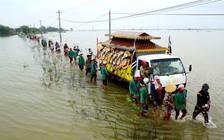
168, 102
170, 88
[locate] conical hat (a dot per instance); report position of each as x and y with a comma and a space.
170, 88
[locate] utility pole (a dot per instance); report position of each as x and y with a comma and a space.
59, 12
109, 25
40, 23
41, 29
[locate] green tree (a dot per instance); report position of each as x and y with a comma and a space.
25, 29
51, 29
5, 30
42, 29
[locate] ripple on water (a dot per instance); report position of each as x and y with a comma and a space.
35, 105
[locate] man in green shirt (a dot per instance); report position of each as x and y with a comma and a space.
180, 101
134, 89
93, 70
81, 61
71, 55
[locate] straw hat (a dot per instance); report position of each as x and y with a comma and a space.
170, 88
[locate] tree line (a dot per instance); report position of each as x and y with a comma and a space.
7, 31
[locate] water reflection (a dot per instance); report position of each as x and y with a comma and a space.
45, 97
53, 66
111, 114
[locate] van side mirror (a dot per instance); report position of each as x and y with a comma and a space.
170, 50
190, 68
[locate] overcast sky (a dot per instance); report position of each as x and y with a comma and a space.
14, 13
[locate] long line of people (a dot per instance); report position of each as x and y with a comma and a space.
75, 55
90, 64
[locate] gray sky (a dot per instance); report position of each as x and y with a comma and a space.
14, 13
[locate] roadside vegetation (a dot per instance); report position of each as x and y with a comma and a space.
7, 31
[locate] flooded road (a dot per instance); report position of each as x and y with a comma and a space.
43, 96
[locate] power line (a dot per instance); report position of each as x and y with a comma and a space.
86, 22
155, 12
197, 3
91, 21
191, 14
168, 9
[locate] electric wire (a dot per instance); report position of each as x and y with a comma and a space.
91, 21
191, 14
168, 9
174, 14
154, 12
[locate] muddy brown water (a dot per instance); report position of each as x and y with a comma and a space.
42, 96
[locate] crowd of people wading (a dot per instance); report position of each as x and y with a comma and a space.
138, 87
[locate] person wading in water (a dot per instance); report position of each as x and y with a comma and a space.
134, 87
180, 101
203, 103
144, 96
104, 74
168, 102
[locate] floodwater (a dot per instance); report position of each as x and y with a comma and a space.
43, 97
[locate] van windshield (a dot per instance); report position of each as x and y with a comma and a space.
167, 66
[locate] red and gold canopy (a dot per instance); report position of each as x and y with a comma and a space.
140, 41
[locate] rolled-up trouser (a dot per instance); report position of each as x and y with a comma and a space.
144, 109
133, 97
81, 67
202, 110
93, 76
184, 111
71, 59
